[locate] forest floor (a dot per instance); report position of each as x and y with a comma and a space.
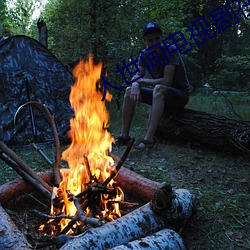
219, 180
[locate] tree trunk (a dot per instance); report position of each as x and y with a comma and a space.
10, 237
212, 131
43, 32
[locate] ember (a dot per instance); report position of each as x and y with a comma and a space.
87, 188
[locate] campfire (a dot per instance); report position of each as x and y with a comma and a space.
87, 198
87, 188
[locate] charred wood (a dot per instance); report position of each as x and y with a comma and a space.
120, 163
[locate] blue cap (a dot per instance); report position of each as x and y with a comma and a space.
149, 26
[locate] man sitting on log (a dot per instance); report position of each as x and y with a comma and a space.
166, 91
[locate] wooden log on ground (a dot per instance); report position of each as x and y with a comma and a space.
131, 182
148, 219
18, 187
163, 239
212, 131
140, 187
10, 237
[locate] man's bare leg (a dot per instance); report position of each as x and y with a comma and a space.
156, 113
128, 110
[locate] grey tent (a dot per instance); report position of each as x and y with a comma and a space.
29, 71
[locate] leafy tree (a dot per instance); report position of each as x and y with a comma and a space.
4, 20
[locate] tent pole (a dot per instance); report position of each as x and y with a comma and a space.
33, 125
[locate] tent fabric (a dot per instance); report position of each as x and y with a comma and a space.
29, 71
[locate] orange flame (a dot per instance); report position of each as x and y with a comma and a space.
90, 138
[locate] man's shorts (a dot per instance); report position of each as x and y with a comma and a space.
175, 99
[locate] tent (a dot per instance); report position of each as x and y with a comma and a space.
30, 72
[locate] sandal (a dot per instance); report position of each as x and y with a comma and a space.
146, 144
121, 141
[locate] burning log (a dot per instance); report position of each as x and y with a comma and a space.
167, 209
10, 237
163, 239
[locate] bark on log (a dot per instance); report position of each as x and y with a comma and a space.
26, 176
163, 239
15, 188
131, 182
140, 187
10, 237
212, 131
150, 218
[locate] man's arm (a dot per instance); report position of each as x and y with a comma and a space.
167, 79
135, 92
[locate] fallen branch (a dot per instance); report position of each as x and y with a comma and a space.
120, 163
26, 176
23, 165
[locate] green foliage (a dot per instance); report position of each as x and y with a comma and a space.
111, 31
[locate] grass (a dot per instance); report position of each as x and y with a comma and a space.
219, 180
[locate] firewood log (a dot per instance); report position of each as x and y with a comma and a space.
163, 239
150, 218
131, 182
137, 185
18, 187
10, 237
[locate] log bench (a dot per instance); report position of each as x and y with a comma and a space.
211, 131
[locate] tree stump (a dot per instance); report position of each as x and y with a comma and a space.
43, 32
212, 131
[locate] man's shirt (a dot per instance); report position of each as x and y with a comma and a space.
180, 79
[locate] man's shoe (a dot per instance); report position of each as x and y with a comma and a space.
121, 141
145, 144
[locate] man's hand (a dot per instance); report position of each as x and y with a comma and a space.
135, 93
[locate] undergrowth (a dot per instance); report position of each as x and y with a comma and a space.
220, 181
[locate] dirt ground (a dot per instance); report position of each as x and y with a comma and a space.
220, 182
